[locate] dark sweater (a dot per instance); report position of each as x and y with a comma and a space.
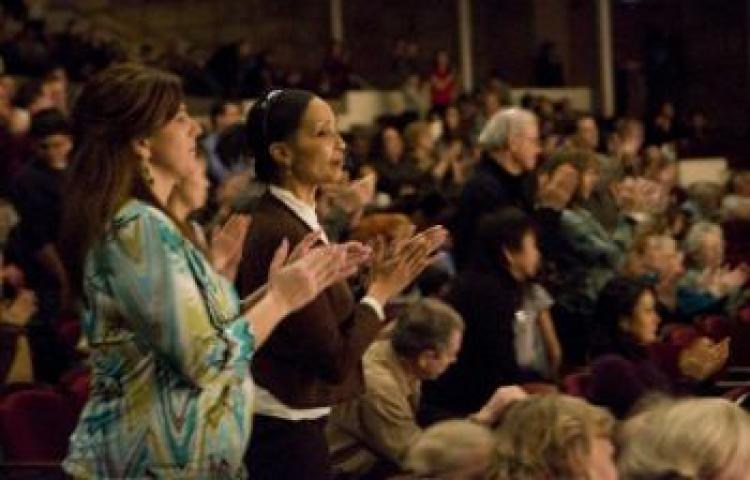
487, 298
313, 358
38, 199
624, 374
489, 189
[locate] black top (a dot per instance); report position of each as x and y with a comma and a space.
37, 196
489, 189
487, 297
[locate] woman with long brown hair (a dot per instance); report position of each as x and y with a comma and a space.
171, 395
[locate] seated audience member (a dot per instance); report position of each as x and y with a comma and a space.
370, 435
626, 324
708, 285
495, 296
661, 167
554, 436
589, 256
505, 177
626, 146
38, 198
656, 258
451, 450
443, 164
223, 244
630, 360
398, 176
736, 204
690, 439
704, 200
224, 114
601, 202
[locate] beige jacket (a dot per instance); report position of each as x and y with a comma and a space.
380, 425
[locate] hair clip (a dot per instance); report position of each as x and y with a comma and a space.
266, 106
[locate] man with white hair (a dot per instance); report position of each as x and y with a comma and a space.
505, 177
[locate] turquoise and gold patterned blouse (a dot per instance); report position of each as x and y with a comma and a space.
171, 396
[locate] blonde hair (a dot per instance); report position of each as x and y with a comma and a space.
449, 446
690, 438
548, 436
388, 225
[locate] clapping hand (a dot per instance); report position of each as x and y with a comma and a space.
557, 189
703, 358
22, 308
226, 244
503, 396
396, 265
291, 285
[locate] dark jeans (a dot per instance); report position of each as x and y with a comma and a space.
285, 450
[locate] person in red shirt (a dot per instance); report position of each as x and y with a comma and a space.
442, 82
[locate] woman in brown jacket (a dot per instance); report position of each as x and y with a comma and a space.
313, 360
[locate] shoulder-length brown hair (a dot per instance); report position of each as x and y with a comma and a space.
120, 105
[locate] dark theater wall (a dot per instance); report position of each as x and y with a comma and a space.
709, 67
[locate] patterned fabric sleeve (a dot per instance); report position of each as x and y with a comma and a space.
584, 239
154, 279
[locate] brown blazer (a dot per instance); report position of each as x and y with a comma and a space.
314, 357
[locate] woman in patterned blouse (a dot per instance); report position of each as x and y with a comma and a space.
170, 343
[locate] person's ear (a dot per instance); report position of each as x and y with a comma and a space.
423, 359
281, 154
142, 148
507, 255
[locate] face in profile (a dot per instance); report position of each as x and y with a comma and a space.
434, 363
643, 324
526, 146
172, 149
54, 149
525, 261
316, 151
589, 180
393, 145
711, 252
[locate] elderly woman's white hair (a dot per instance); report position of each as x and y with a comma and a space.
694, 238
690, 439
450, 448
503, 125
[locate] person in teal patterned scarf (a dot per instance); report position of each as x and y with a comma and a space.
171, 395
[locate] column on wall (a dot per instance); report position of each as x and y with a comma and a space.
465, 44
606, 65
